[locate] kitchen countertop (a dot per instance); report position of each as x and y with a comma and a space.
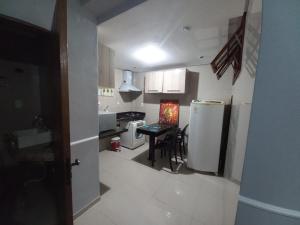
131, 115
111, 133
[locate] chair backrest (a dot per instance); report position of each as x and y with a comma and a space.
171, 137
169, 112
184, 130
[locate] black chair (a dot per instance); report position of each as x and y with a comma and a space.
168, 144
180, 140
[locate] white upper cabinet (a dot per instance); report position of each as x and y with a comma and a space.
174, 81
169, 81
106, 67
154, 82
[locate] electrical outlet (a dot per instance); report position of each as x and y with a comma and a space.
107, 92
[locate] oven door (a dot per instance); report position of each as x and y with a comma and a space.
138, 139
138, 135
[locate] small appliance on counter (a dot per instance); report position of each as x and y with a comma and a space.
131, 139
107, 121
131, 120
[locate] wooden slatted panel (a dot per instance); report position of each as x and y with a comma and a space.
231, 53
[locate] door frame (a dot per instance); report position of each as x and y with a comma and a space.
60, 29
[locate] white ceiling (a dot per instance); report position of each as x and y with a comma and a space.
162, 22
104, 9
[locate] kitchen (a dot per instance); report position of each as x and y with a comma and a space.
125, 167
137, 112
137, 76
145, 101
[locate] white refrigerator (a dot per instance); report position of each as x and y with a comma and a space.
205, 131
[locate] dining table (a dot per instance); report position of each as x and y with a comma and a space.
154, 130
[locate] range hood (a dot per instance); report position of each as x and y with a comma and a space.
127, 85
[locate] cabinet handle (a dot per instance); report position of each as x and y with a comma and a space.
153, 90
174, 90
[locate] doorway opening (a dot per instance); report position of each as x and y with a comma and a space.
33, 162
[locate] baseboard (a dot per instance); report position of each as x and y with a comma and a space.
85, 208
235, 181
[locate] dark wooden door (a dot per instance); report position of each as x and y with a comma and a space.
35, 178
60, 66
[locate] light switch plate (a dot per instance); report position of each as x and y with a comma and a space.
107, 92
112, 92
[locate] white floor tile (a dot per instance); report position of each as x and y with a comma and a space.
132, 173
178, 195
130, 207
141, 195
196, 222
93, 217
131, 153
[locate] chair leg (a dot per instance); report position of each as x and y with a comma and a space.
161, 152
170, 158
180, 151
183, 145
175, 152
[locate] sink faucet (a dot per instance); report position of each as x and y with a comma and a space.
38, 122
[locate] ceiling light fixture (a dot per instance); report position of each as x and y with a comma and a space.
150, 54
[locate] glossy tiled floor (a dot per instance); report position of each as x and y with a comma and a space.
141, 195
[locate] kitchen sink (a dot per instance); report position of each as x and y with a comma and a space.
31, 137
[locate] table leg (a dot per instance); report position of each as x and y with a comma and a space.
152, 149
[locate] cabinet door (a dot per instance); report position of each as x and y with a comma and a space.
174, 81
106, 67
154, 82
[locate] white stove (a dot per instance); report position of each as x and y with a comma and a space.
132, 139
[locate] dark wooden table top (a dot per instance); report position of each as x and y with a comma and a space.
155, 129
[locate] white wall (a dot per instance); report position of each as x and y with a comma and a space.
83, 79
270, 187
202, 84
83, 75
210, 88
19, 95
19, 101
205, 86
120, 102
36, 12
242, 93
